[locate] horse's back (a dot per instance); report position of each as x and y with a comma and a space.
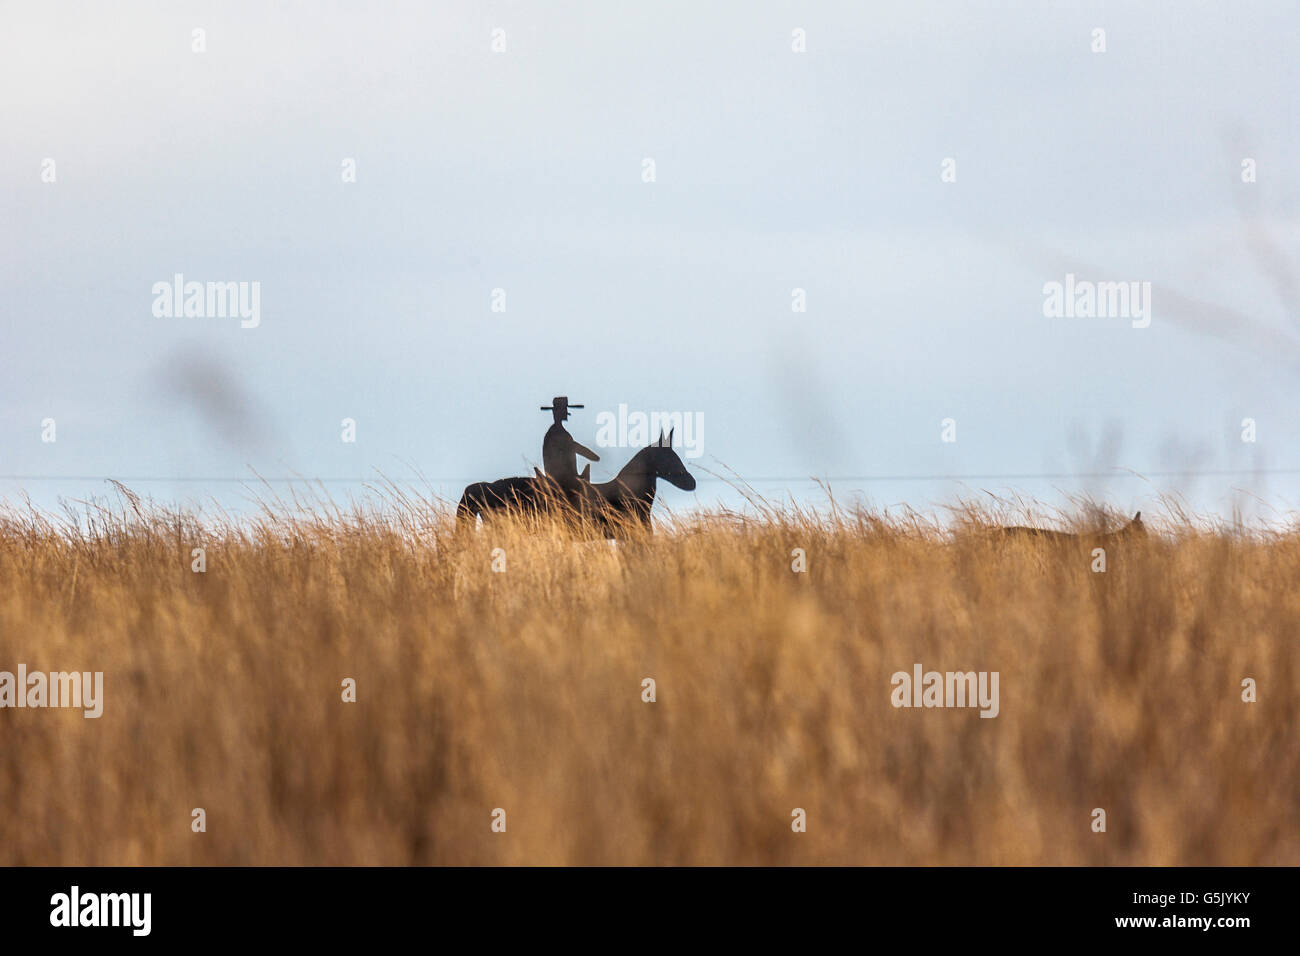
483, 496
512, 492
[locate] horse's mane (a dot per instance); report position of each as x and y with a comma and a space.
635, 460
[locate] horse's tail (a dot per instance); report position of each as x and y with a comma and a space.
471, 504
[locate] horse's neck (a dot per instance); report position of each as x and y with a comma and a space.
637, 477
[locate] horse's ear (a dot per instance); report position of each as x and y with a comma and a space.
670, 436
659, 443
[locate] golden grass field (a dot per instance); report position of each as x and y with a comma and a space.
522, 690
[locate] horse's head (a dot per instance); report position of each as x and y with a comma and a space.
665, 463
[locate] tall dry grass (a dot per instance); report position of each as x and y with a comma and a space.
523, 690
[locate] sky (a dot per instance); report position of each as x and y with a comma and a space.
504, 146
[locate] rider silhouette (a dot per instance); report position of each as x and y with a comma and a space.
559, 450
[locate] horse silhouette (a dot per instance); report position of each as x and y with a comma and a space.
631, 494
629, 497
1134, 529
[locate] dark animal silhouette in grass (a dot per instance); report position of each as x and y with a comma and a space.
630, 496
611, 505
1134, 529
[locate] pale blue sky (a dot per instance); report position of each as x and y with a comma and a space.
775, 170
